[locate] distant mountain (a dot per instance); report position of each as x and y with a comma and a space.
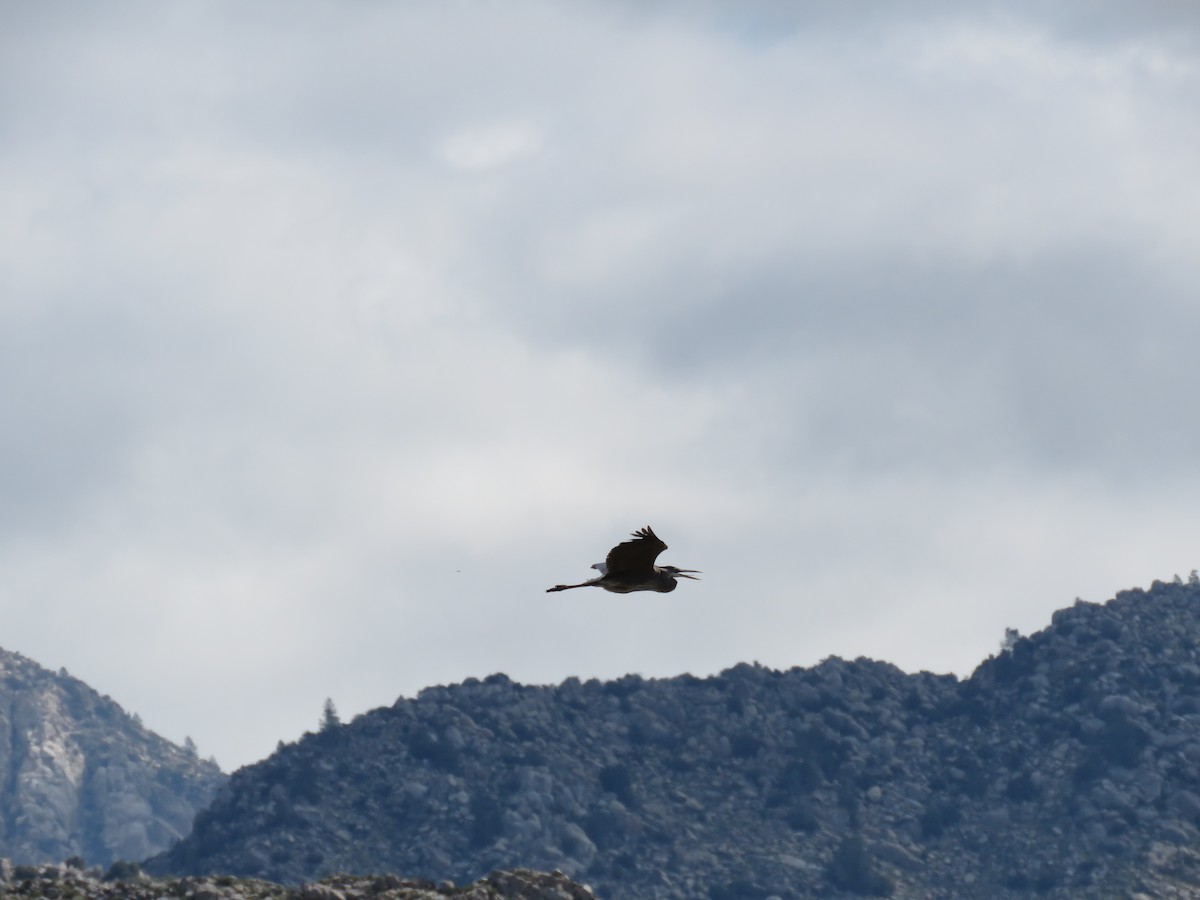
79, 777
1067, 766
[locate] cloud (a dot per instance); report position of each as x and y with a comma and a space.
341, 334
491, 147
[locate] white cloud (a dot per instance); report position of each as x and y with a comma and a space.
341, 334
491, 147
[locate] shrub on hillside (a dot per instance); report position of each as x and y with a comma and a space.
853, 869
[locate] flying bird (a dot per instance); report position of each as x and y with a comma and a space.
630, 567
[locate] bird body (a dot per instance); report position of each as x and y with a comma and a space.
630, 567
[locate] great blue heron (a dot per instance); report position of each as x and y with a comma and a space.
630, 567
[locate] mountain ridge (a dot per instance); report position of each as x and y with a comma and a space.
80, 777
1066, 765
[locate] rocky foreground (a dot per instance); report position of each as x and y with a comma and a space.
74, 883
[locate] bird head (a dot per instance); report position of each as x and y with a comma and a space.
681, 573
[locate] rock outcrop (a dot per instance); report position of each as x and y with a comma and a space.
54, 882
1067, 765
81, 778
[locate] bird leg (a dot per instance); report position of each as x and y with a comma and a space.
567, 587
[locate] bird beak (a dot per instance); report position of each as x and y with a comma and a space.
682, 573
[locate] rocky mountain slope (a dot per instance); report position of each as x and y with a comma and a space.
1068, 765
81, 778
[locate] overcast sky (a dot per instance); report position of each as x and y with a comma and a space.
331, 335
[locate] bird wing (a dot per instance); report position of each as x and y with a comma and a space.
636, 556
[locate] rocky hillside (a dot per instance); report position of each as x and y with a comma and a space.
123, 882
81, 778
1067, 766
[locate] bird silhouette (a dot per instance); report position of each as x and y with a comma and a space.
630, 567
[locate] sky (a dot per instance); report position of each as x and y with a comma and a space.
333, 334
